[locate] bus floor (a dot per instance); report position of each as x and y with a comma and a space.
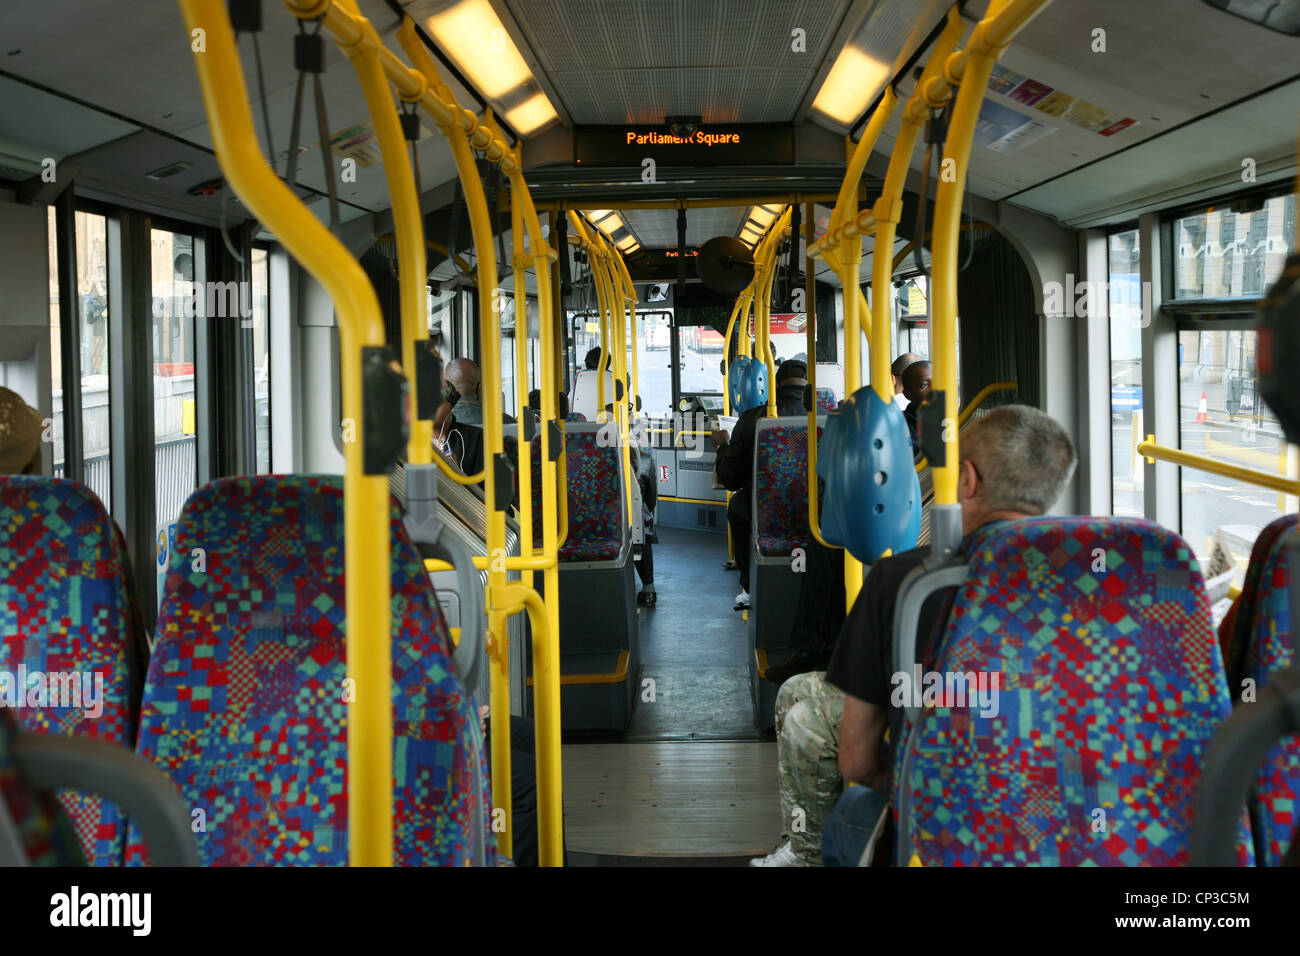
692, 782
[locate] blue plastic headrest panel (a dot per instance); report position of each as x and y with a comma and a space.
873, 494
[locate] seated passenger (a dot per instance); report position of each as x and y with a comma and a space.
461, 430
562, 403
735, 462
896, 372
20, 435
916, 388
831, 727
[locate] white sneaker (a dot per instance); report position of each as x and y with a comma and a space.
742, 601
783, 855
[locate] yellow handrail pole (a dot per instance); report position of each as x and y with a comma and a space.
1262, 479
888, 209
629, 295
490, 396
408, 226
848, 194
546, 650
561, 328
602, 307
990, 37
525, 450
365, 497
618, 330
810, 233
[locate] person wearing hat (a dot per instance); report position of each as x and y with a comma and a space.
896, 370
735, 462
20, 435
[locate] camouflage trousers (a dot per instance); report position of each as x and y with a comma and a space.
808, 714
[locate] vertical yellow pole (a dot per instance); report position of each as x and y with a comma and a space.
525, 474
490, 394
370, 775
546, 660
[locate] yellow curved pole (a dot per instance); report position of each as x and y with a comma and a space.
408, 227
989, 39
365, 497
459, 137
971, 408
888, 208
546, 647
525, 450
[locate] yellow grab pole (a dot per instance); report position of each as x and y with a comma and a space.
408, 226
525, 464
365, 497
989, 38
490, 396
810, 231
889, 208
546, 647
629, 295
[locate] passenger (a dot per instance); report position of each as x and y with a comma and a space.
643, 465
20, 435
735, 462
896, 371
916, 388
535, 403
460, 381
462, 433
831, 727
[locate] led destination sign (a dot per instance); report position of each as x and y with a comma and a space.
732, 145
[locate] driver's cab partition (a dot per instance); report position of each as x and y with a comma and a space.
599, 655
684, 458
778, 546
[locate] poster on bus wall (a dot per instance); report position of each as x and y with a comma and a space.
784, 323
165, 544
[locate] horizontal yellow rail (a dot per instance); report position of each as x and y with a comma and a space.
1176, 456
616, 676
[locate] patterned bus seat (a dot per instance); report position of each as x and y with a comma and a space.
826, 400
597, 522
781, 487
66, 609
47, 837
1260, 643
244, 705
1111, 686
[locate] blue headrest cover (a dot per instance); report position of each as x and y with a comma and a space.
746, 384
873, 494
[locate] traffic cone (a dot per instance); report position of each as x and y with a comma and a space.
1201, 416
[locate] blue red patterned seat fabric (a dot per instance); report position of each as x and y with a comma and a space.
825, 400
596, 514
47, 837
244, 706
1110, 687
1260, 644
781, 488
66, 610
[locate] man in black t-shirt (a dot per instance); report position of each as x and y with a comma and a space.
831, 727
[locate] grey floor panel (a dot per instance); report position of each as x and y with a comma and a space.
693, 646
